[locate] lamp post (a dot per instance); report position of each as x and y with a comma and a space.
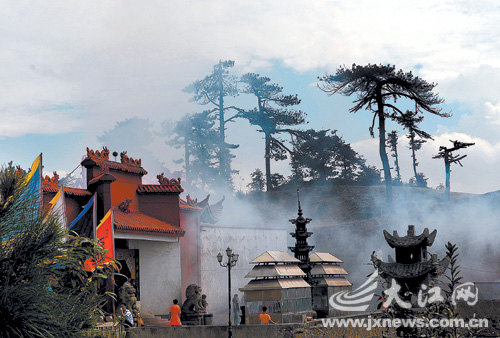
232, 258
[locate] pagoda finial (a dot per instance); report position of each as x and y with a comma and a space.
298, 202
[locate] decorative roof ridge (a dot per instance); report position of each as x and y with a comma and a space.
96, 154
101, 159
165, 181
129, 160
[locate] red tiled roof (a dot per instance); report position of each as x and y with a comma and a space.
50, 188
76, 192
105, 177
137, 222
106, 164
159, 189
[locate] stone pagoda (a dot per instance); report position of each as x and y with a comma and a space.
413, 266
301, 249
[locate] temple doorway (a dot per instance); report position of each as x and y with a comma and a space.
129, 260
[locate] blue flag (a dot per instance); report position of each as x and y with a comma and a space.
33, 181
83, 224
32, 187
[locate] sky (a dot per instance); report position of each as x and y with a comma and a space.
77, 74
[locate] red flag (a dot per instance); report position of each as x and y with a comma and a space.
105, 236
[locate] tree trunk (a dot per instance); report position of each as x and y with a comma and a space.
110, 287
413, 156
269, 186
186, 159
396, 163
447, 168
383, 153
223, 160
383, 157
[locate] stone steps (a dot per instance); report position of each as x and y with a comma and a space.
151, 320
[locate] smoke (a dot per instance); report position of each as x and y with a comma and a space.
347, 221
141, 138
471, 222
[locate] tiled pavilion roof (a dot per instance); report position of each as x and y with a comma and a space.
137, 222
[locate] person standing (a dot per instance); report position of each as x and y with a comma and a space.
265, 318
175, 312
236, 309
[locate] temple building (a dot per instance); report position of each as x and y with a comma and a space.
194, 215
327, 278
294, 288
163, 242
413, 266
146, 222
278, 283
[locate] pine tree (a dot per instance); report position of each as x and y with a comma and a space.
272, 115
314, 154
392, 143
323, 155
378, 87
212, 91
447, 155
258, 182
410, 121
195, 133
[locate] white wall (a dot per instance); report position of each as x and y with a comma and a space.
160, 274
248, 243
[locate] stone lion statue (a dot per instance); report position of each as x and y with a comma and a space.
193, 303
127, 296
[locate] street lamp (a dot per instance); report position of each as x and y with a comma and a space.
231, 261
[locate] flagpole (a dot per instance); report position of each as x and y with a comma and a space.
94, 216
40, 191
112, 273
113, 232
65, 218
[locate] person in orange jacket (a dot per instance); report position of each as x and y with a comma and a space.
265, 318
175, 312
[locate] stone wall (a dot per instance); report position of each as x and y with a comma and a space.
160, 274
247, 331
311, 330
248, 243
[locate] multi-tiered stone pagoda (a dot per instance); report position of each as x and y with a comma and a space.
323, 270
301, 249
413, 266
